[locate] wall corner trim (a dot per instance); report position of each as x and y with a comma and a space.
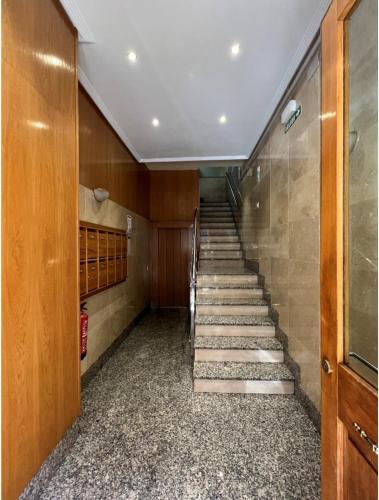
71, 8
95, 96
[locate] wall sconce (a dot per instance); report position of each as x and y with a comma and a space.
100, 194
288, 111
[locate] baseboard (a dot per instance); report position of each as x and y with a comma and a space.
97, 366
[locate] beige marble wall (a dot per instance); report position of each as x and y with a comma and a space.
213, 188
112, 310
280, 226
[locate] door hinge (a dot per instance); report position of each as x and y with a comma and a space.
363, 435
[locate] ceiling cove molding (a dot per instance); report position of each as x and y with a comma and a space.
90, 89
85, 34
194, 158
294, 64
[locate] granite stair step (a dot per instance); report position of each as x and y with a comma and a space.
205, 220
217, 225
219, 239
215, 204
220, 254
217, 265
238, 349
245, 378
231, 310
215, 215
220, 246
235, 330
216, 293
218, 232
223, 279
206, 299
219, 319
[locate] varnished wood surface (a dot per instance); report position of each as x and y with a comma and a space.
347, 469
103, 258
40, 323
106, 162
331, 248
360, 479
174, 195
358, 402
173, 266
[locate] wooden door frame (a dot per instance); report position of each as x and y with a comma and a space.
332, 244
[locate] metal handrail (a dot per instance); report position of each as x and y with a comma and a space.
234, 189
193, 274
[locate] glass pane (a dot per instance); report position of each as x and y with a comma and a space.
361, 191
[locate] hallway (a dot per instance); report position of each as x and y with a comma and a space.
143, 433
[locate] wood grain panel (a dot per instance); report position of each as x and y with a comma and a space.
359, 476
106, 162
358, 402
174, 195
40, 341
331, 244
173, 267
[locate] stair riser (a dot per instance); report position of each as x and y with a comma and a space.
234, 331
239, 355
218, 232
244, 386
218, 265
205, 220
220, 254
229, 293
220, 246
217, 213
219, 239
231, 310
231, 279
217, 225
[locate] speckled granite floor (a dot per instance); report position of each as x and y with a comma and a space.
145, 435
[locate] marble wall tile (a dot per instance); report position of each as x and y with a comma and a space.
112, 310
282, 232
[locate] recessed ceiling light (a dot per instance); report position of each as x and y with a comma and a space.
235, 49
132, 56
155, 122
222, 119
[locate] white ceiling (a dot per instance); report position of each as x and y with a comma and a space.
184, 74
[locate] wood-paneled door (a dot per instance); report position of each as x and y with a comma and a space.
173, 262
349, 233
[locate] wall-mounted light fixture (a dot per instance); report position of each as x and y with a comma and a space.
288, 111
100, 194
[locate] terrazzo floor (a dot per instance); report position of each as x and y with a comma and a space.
145, 435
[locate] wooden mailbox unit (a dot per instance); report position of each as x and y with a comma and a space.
103, 258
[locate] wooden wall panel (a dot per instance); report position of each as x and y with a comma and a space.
40, 301
106, 162
174, 194
173, 266
331, 246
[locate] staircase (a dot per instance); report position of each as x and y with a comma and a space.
236, 350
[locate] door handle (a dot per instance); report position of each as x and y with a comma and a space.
326, 366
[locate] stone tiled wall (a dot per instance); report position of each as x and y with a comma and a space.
213, 188
111, 311
280, 226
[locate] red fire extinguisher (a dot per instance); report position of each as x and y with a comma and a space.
83, 330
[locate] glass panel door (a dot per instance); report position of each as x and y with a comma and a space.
361, 191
